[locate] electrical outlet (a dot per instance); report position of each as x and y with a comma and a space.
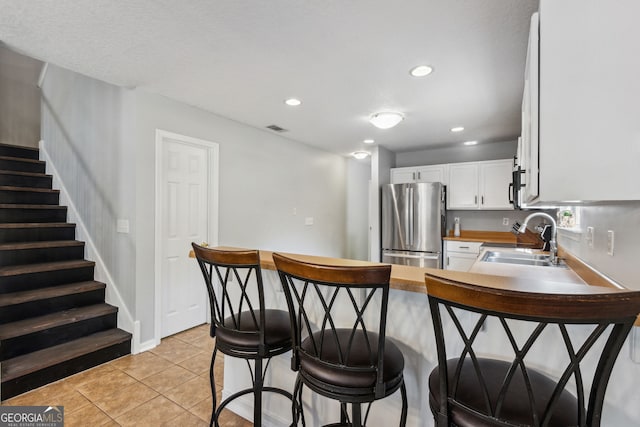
505, 221
610, 241
589, 237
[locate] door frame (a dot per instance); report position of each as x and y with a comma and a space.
213, 150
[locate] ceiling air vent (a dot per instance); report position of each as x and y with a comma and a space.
276, 128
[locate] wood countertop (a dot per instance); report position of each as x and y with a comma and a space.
505, 237
412, 279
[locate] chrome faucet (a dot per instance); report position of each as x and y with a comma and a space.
553, 245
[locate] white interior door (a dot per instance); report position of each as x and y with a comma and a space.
184, 218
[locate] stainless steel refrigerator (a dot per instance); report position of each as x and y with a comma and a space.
413, 224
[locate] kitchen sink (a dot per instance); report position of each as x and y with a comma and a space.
520, 258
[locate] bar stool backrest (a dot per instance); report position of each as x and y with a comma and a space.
605, 318
328, 303
231, 277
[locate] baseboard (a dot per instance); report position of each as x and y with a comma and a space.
112, 295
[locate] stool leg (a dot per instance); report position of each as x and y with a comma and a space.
357, 415
257, 393
403, 417
343, 413
213, 387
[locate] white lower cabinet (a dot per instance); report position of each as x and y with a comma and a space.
460, 255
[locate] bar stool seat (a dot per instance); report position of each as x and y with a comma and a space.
516, 403
330, 373
277, 330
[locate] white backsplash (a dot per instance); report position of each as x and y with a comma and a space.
624, 220
487, 220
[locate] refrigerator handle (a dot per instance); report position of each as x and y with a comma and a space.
406, 217
411, 209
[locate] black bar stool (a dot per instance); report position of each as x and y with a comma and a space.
242, 328
338, 317
468, 389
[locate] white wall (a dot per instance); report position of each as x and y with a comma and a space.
87, 139
358, 177
458, 153
263, 178
19, 98
382, 160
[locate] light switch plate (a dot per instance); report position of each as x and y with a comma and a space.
122, 226
589, 237
634, 340
610, 242
308, 220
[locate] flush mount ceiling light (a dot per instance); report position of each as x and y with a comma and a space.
421, 71
386, 120
470, 143
293, 102
361, 154
368, 141
457, 129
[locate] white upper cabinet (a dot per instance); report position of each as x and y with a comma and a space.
433, 173
589, 92
480, 185
462, 192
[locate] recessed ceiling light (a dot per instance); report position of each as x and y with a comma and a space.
421, 70
361, 154
457, 129
293, 102
368, 141
386, 119
470, 143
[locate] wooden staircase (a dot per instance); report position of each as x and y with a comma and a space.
53, 318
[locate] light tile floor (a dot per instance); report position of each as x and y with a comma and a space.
166, 386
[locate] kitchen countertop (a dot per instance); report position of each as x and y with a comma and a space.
498, 237
578, 279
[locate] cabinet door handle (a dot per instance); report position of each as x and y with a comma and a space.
475, 200
414, 176
419, 178
448, 263
482, 198
463, 247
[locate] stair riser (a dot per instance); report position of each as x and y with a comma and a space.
22, 311
53, 336
33, 215
12, 235
26, 181
16, 165
31, 256
24, 153
29, 281
29, 197
73, 366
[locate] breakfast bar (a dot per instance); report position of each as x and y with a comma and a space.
410, 326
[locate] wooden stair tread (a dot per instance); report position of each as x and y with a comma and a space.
7, 225
4, 144
22, 297
52, 320
15, 270
40, 244
22, 159
41, 175
27, 189
16, 206
32, 362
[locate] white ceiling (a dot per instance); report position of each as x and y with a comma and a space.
345, 59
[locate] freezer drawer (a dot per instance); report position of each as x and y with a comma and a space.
416, 259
